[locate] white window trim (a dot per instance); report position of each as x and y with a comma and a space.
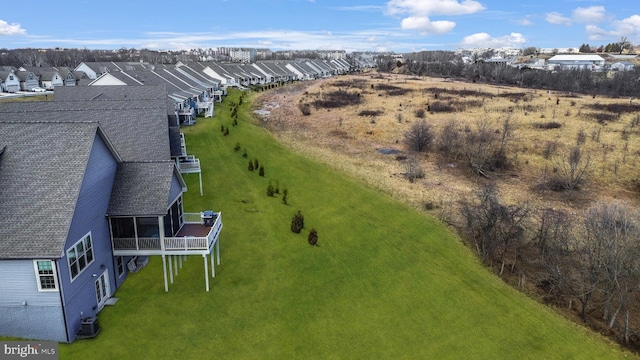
55, 275
80, 271
124, 267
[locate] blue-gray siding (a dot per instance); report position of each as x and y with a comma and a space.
41, 317
89, 216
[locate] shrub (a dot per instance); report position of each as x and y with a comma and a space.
261, 171
420, 113
313, 237
338, 99
250, 165
370, 113
305, 109
244, 154
270, 190
548, 125
237, 147
285, 196
255, 164
297, 222
222, 129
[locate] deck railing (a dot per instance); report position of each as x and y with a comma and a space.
189, 164
182, 243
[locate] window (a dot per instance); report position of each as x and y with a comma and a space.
120, 263
79, 256
11, 78
45, 275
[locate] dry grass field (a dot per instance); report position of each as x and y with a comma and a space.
367, 139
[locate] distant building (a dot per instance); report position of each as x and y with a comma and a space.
590, 62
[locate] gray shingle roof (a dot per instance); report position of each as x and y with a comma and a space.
142, 188
138, 134
139, 92
36, 207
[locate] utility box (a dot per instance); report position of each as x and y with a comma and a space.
207, 218
89, 327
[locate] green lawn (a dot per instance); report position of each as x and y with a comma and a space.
386, 282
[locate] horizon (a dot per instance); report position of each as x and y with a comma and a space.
399, 26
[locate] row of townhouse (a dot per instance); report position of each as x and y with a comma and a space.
91, 184
89, 189
194, 86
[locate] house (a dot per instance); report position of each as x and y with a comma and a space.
95, 180
70, 78
48, 76
10, 82
576, 61
622, 66
28, 80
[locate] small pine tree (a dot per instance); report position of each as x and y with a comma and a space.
277, 187
285, 195
250, 165
226, 131
270, 190
255, 164
297, 222
261, 172
244, 154
313, 237
237, 147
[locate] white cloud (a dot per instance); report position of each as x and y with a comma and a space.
433, 7
484, 40
524, 21
419, 11
629, 27
595, 33
590, 15
427, 26
11, 29
557, 19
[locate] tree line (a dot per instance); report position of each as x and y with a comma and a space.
448, 64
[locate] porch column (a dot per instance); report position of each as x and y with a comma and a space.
175, 264
164, 272
217, 250
213, 269
170, 270
200, 177
206, 271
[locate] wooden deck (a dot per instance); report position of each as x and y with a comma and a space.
196, 230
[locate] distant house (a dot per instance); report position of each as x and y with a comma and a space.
49, 77
95, 180
28, 80
10, 81
622, 66
588, 62
68, 75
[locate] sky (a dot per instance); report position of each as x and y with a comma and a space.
360, 25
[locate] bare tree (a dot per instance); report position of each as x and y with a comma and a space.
615, 227
419, 137
573, 168
485, 148
450, 140
413, 169
496, 230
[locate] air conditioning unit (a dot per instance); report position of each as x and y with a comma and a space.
88, 328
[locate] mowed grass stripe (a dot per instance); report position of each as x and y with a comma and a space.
386, 282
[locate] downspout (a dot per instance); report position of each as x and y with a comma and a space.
64, 305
